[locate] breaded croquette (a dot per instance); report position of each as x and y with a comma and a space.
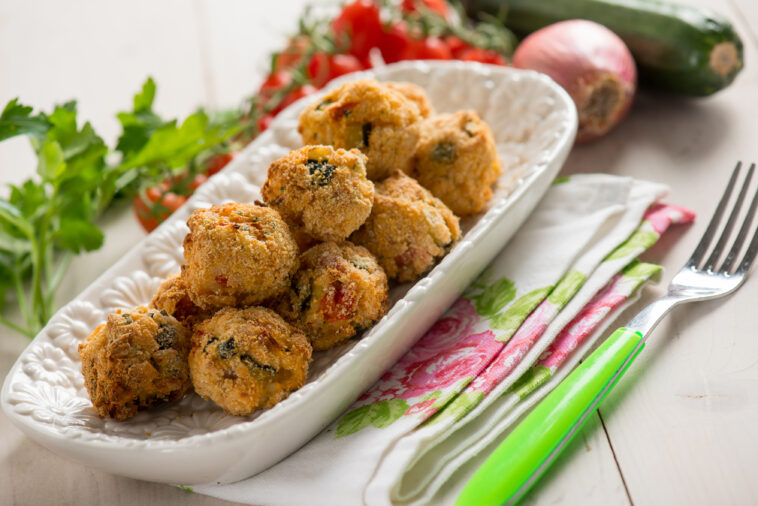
338, 291
456, 159
172, 296
321, 190
408, 230
369, 116
134, 361
415, 94
247, 359
237, 255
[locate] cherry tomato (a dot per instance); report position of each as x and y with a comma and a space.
162, 194
342, 64
429, 48
456, 45
154, 193
395, 41
358, 22
170, 200
318, 68
218, 162
324, 67
264, 122
438, 6
273, 83
483, 56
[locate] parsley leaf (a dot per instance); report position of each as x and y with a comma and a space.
140, 124
77, 235
17, 119
173, 146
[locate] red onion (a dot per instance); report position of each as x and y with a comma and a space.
591, 63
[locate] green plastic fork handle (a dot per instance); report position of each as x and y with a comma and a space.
534, 444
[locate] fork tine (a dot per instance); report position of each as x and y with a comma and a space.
697, 255
750, 254
732, 256
719, 248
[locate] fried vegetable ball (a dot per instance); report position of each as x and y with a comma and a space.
237, 255
367, 115
456, 159
408, 230
415, 94
338, 291
321, 190
172, 296
134, 361
247, 359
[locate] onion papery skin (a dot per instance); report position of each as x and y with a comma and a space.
591, 63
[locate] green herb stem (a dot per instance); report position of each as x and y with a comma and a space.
27, 332
38, 299
21, 296
55, 281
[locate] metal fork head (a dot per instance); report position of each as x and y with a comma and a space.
704, 278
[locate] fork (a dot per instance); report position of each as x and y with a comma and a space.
534, 444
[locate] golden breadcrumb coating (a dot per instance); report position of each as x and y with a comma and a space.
247, 359
415, 94
134, 361
172, 296
369, 116
338, 291
321, 190
408, 230
456, 159
237, 255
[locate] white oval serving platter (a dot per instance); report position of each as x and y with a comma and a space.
192, 441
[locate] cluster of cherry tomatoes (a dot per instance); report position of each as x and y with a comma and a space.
356, 30
359, 24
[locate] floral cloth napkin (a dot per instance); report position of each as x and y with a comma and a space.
501, 346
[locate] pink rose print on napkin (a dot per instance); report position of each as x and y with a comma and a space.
438, 367
464, 358
532, 328
583, 324
457, 323
661, 216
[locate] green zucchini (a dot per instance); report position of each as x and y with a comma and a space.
677, 48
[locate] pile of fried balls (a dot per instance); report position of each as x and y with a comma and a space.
373, 197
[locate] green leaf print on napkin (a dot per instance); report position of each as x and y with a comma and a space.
379, 414
459, 406
494, 297
566, 288
511, 319
638, 242
531, 379
641, 271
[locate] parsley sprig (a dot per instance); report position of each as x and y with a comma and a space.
48, 219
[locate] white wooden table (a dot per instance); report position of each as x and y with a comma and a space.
680, 429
